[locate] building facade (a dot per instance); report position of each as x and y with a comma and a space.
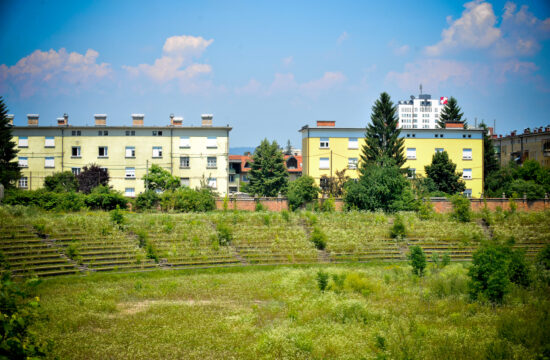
195, 154
327, 149
531, 145
420, 113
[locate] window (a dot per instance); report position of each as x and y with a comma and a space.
466, 154
75, 151
468, 193
231, 178
212, 182
352, 144
130, 173
23, 141
75, 171
245, 178
437, 150
23, 162
324, 143
211, 142
352, 163
184, 142
411, 153
23, 182
157, 151
411, 173
184, 182
102, 151
102, 133
76, 133
211, 162
467, 174
130, 133
157, 132
184, 161
130, 151
49, 141
324, 163
130, 192
49, 162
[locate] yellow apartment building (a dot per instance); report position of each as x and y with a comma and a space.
192, 153
327, 149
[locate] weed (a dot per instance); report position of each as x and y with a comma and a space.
417, 259
319, 238
322, 280
225, 234
398, 230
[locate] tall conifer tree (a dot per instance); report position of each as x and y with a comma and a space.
383, 145
450, 113
490, 162
268, 175
443, 173
9, 169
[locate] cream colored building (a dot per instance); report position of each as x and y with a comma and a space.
192, 153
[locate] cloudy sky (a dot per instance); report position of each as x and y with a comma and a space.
268, 68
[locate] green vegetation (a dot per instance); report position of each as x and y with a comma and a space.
91, 177
450, 113
268, 175
188, 200
529, 179
318, 238
9, 168
417, 259
398, 230
442, 175
461, 208
302, 191
160, 179
147, 200
61, 182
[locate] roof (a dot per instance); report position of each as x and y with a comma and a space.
165, 127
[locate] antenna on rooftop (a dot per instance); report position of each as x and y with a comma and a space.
420, 89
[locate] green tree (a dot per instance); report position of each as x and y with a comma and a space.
302, 191
451, 113
92, 176
490, 161
9, 169
417, 259
334, 185
268, 175
288, 148
61, 182
382, 136
160, 179
489, 273
442, 171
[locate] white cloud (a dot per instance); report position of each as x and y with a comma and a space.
52, 70
518, 34
397, 49
431, 73
343, 37
176, 61
287, 83
288, 60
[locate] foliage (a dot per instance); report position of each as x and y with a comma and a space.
334, 185
518, 270
327, 205
322, 280
461, 208
489, 273
490, 161
542, 264
148, 199
188, 200
9, 168
382, 141
225, 235
442, 171
225, 203
530, 179
160, 179
398, 228
18, 312
102, 197
285, 215
46, 199
117, 216
61, 182
425, 210
450, 113
302, 191
417, 259
380, 188
319, 238
268, 175
92, 176
259, 206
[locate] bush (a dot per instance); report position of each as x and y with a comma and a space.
151, 251
46, 200
117, 216
461, 208
489, 274
328, 205
259, 206
225, 234
285, 215
318, 238
188, 200
398, 230
518, 270
147, 200
61, 182
302, 191
103, 198
425, 210
417, 259
542, 263
322, 280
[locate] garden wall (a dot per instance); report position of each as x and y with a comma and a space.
440, 205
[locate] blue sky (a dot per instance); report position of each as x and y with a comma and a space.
267, 68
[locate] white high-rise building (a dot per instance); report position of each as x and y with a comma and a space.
421, 112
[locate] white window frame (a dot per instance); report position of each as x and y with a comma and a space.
468, 193
467, 174
213, 183
23, 182
352, 163
105, 151
411, 153
466, 154
353, 143
211, 142
49, 162
23, 141
185, 182
130, 151
411, 173
130, 173
130, 192
183, 161
23, 162
157, 151
49, 142
77, 151
211, 162
324, 143
75, 171
185, 142
324, 163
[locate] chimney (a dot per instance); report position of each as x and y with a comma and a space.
100, 119
326, 123
176, 120
10, 119
513, 133
527, 131
32, 119
137, 119
207, 119
64, 121
454, 125
491, 130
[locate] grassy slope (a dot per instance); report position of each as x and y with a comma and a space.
278, 312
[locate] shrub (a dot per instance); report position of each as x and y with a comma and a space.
61, 182
102, 197
328, 205
322, 280
302, 191
398, 230
489, 274
259, 206
188, 200
425, 210
318, 238
151, 251
285, 215
225, 203
142, 238
225, 234
117, 216
461, 208
417, 259
542, 263
73, 250
518, 270
147, 200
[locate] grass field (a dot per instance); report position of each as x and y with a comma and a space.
380, 311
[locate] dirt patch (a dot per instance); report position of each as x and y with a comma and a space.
130, 308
